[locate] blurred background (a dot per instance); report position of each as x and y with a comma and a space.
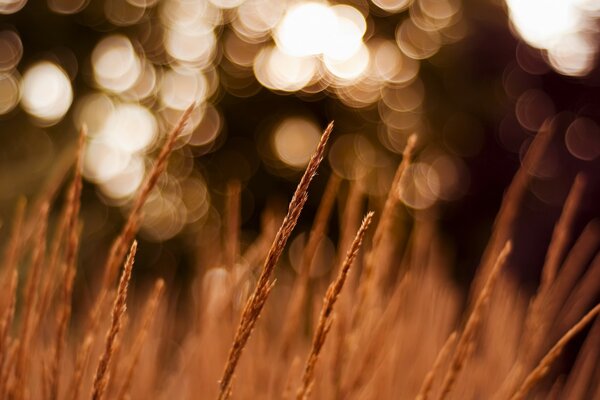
476, 80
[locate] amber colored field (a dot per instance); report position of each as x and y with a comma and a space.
381, 326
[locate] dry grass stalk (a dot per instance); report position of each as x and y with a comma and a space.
537, 317
370, 278
7, 317
543, 367
258, 298
430, 377
5, 372
582, 373
12, 251
73, 204
138, 343
582, 296
298, 296
325, 319
121, 243
511, 202
31, 292
369, 354
350, 218
102, 377
468, 335
81, 367
563, 229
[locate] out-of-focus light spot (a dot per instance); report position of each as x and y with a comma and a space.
531, 59
434, 15
190, 15
540, 22
439, 9
191, 47
126, 182
67, 6
415, 42
310, 29
351, 68
561, 27
360, 94
164, 215
122, 12
208, 129
583, 139
404, 99
408, 71
533, 108
350, 26
255, 18
143, 3
145, 86
386, 59
11, 50
419, 185
573, 54
279, 71
115, 63
238, 51
294, 141
448, 177
345, 154
92, 111
227, 4
195, 197
130, 127
399, 120
180, 88
320, 262
305, 29
516, 81
392, 6
9, 92
103, 161
46, 92
11, 6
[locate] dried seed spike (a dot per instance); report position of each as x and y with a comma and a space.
139, 340
258, 298
325, 319
102, 375
543, 366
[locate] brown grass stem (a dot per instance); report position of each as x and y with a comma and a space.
102, 377
467, 336
325, 319
256, 301
543, 367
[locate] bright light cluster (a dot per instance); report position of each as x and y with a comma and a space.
565, 29
46, 92
144, 79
